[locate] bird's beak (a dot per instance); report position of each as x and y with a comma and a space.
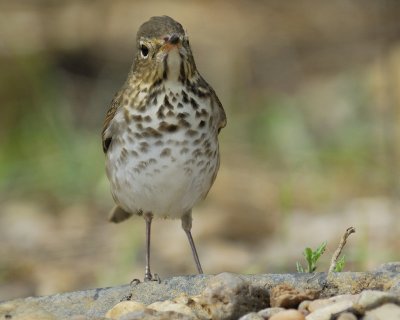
171, 43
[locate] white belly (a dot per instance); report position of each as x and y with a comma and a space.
165, 173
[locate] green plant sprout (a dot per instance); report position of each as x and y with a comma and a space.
339, 265
312, 257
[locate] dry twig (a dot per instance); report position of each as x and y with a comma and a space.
338, 251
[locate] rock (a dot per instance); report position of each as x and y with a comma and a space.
267, 313
325, 313
321, 303
19, 311
251, 316
288, 315
347, 316
304, 306
286, 296
169, 305
150, 314
124, 307
194, 304
395, 289
228, 296
389, 267
225, 296
388, 311
370, 299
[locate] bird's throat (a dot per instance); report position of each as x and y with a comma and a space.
174, 61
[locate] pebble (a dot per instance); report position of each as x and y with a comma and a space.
325, 313
252, 316
150, 314
388, 311
395, 289
286, 296
372, 298
288, 315
389, 267
229, 296
267, 313
124, 307
347, 316
169, 305
14, 311
304, 306
321, 303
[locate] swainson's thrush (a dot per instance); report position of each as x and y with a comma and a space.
160, 135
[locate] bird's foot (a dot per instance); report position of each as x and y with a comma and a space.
152, 277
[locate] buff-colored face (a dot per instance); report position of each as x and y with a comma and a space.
164, 56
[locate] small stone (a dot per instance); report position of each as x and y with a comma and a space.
288, 315
124, 307
373, 298
325, 313
318, 304
169, 305
389, 267
267, 313
347, 316
286, 296
251, 316
303, 306
8, 308
321, 303
395, 288
183, 299
388, 311
15, 310
150, 314
228, 296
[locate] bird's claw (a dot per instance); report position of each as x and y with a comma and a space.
151, 277
134, 282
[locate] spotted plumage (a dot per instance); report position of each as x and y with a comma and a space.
160, 135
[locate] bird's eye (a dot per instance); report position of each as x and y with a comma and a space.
144, 51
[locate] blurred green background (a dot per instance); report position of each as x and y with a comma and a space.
312, 146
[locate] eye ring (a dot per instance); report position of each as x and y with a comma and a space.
144, 51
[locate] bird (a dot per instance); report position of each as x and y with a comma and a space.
160, 134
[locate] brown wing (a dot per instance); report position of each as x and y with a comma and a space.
204, 86
221, 124
221, 111
106, 135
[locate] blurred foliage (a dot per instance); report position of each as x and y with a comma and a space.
285, 135
42, 151
54, 97
311, 91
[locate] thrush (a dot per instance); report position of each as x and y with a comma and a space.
160, 135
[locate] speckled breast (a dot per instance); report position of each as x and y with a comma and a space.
164, 157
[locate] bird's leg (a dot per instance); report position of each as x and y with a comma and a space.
148, 217
187, 226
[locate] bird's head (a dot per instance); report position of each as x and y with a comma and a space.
163, 51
